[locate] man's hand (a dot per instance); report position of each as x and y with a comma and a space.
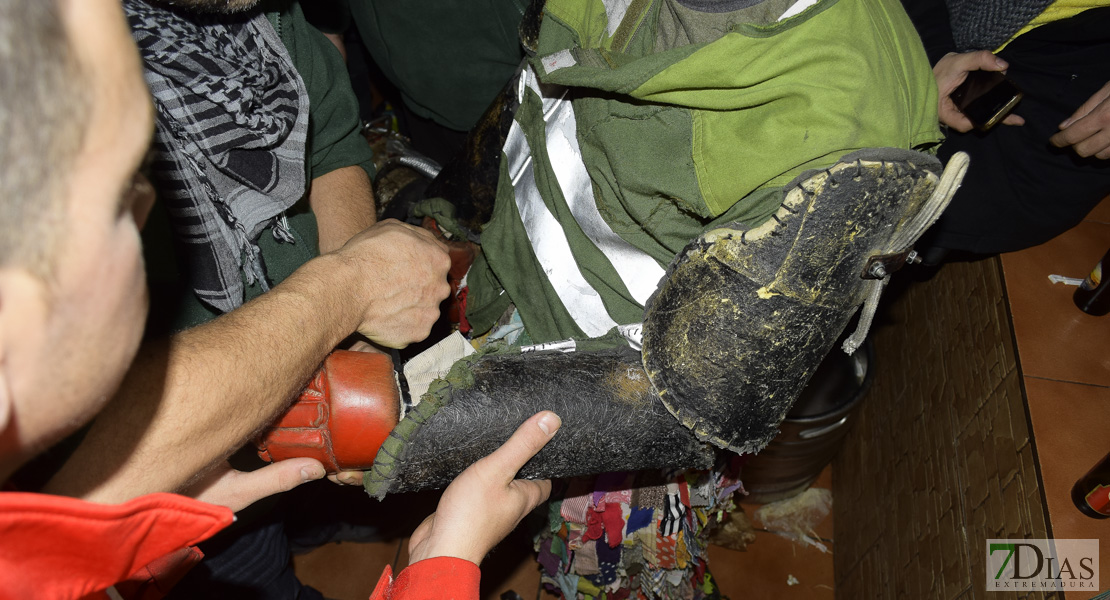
237, 489
484, 504
404, 269
951, 71
1087, 130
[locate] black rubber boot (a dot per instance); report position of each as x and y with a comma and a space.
744, 316
612, 420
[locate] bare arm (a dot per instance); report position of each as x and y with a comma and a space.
189, 401
343, 203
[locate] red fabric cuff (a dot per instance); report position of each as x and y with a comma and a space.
432, 579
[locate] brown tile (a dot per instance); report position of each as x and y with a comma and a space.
1070, 425
345, 571
1101, 213
762, 571
1055, 339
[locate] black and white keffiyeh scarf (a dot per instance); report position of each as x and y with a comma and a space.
229, 148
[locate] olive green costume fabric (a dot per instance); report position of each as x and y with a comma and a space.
689, 120
449, 58
334, 142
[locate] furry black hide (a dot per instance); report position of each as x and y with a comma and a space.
612, 421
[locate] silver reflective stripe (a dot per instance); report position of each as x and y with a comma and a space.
797, 9
563, 346
615, 10
639, 272
549, 242
633, 334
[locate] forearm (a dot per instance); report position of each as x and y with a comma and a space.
190, 401
343, 203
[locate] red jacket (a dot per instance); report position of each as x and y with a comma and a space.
58, 548
440, 578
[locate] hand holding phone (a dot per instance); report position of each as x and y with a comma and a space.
951, 71
985, 98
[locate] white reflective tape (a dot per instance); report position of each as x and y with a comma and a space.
615, 11
563, 346
637, 270
797, 8
549, 242
559, 60
633, 334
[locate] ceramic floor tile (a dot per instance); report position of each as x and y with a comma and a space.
1070, 425
1055, 339
345, 571
764, 570
1101, 213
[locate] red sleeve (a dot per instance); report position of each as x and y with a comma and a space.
440, 578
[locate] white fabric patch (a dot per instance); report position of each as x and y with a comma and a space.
559, 60
434, 363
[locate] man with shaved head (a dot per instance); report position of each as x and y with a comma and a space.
75, 125
262, 255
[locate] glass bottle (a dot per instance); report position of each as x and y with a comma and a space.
1093, 295
1091, 494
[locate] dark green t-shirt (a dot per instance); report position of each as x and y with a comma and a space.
334, 142
449, 58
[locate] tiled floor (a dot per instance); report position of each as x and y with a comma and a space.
348, 571
1065, 360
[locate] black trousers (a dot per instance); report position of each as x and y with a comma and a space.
1020, 190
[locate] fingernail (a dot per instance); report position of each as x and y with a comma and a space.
550, 423
1065, 124
312, 473
1001, 63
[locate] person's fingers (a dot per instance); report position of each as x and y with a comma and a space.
238, 490
1012, 119
419, 231
985, 60
980, 60
1094, 144
525, 442
1076, 135
952, 117
347, 477
534, 491
1085, 109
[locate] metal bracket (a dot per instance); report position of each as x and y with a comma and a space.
882, 265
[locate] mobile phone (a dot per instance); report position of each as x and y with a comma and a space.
985, 98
